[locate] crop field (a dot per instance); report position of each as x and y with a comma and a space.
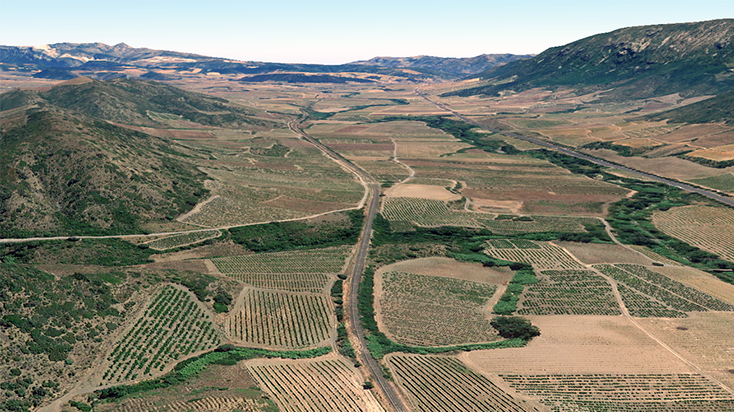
313, 386
424, 212
292, 271
440, 383
703, 338
537, 224
701, 281
172, 326
280, 319
593, 253
256, 188
585, 344
724, 182
542, 255
450, 268
645, 392
568, 292
428, 311
708, 228
183, 239
520, 178
651, 294
206, 404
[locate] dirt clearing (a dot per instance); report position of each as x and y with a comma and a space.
421, 192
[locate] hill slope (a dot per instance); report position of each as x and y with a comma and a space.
66, 170
132, 101
713, 110
637, 62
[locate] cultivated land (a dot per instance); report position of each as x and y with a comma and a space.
237, 296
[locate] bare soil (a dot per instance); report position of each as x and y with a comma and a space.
580, 345
594, 253
421, 192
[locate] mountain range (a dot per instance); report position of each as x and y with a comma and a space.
67, 60
692, 59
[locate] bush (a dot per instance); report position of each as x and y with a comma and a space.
515, 327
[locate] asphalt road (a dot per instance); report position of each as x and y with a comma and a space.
382, 384
708, 193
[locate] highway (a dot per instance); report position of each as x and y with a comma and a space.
383, 385
710, 194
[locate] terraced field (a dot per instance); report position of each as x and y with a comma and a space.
172, 326
542, 255
569, 292
705, 227
293, 271
427, 310
280, 319
648, 293
314, 386
440, 383
608, 392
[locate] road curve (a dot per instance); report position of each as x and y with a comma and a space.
710, 194
391, 395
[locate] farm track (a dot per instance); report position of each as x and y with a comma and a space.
578, 155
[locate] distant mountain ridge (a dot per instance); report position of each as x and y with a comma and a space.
692, 59
60, 60
466, 66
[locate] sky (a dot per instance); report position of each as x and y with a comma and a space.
334, 32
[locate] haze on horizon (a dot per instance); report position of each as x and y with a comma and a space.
335, 32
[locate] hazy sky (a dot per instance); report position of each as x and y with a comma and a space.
337, 31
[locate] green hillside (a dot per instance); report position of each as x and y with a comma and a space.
637, 62
132, 101
61, 174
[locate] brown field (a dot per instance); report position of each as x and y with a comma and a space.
705, 282
711, 154
450, 268
638, 143
704, 338
580, 345
593, 253
323, 384
671, 167
421, 191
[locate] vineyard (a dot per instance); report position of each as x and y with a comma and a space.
172, 326
314, 386
438, 384
569, 292
647, 293
281, 319
296, 271
207, 404
424, 212
558, 224
542, 255
607, 392
427, 310
708, 228
183, 239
